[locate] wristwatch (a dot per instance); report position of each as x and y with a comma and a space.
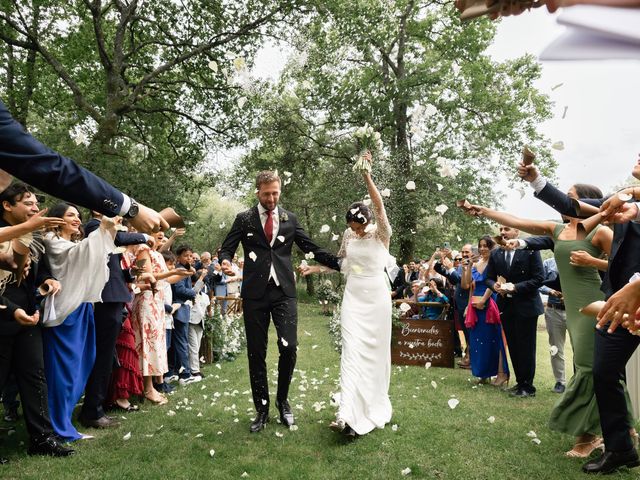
133, 210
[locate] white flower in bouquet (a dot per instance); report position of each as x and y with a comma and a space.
368, 141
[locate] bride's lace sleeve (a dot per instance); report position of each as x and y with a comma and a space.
346, 236
383, 230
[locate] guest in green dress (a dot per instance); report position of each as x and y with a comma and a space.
576, 413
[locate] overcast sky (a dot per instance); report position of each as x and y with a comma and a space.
600, 130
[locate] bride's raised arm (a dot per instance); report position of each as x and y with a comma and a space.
384, 228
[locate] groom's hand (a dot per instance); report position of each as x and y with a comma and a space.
226, 268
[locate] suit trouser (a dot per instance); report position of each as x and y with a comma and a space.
21, 353
611, 353
556, 321
108, 320
520, 331
180, 343
195, 338
257, 314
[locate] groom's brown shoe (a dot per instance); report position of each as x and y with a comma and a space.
286, 417
260, 422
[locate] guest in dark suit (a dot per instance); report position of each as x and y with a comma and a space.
267, 234
613, 347
519, 308
29, 160
21, 335
108, 315
183, 292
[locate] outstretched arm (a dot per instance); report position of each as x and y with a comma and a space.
535, 227
384, 229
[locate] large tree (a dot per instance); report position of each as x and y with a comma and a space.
138, 91
451, 118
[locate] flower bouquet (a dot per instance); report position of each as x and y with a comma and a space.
369, 144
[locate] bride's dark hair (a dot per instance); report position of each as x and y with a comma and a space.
358, 212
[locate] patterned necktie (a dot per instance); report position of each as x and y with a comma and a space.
268, 226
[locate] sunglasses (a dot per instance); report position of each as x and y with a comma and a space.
457, 259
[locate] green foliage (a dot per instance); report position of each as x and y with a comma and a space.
139, 92
327, 295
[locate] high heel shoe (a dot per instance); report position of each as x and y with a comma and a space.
500, 382
595, 444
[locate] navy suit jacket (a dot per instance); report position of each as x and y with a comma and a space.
624, 260
247, 229
526, 273
183, 291
461, 296
116, 290
29, 160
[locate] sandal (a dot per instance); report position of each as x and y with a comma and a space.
129, 408
595, 444
158, 398
500, 382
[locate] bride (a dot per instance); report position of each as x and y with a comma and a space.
365, 366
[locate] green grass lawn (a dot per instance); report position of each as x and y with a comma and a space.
431, 439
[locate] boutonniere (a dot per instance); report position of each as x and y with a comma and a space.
284, 217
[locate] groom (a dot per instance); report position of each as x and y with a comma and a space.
267, 234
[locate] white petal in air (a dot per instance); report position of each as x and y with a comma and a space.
127, 436
242, 101
419, 163
309, 256
212, 452
253, 256
442, 209
491, 419
434, 384
281, 238
439, 186
427, 365
334, 237
386, 193
411, 185
325, 228
394, 427
553, 350
213, 65
279, 435
287, 174
405, 307
367, 202
558, 145
453, 403
284, 342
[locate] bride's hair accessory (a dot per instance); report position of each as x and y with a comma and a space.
358, 212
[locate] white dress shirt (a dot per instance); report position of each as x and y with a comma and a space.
276, 227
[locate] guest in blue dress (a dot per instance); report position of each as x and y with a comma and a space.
69, 343
487, 349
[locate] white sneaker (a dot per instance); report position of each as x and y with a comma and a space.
188, 380
171, 379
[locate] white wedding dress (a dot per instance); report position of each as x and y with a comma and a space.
365, 366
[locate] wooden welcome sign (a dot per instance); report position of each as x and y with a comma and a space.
417, 342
